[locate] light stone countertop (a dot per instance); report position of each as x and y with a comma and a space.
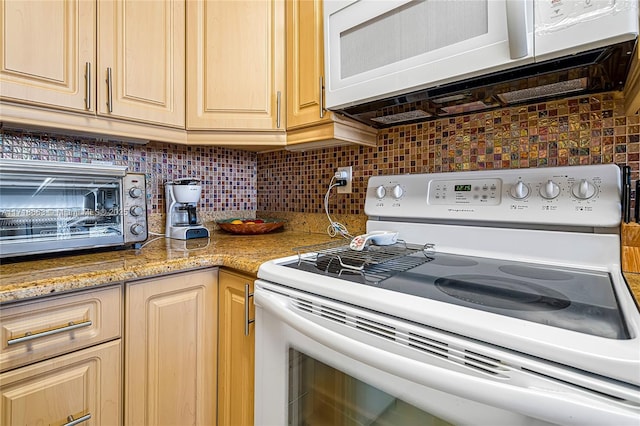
42, 276
24, 279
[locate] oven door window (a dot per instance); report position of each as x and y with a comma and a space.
321, 395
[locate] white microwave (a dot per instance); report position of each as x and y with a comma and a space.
375, 49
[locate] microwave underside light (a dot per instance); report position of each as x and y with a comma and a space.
554, 89
402, 117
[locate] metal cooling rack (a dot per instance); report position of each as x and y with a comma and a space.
375, 263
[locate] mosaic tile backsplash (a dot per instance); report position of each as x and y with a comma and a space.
228, 176
580, 130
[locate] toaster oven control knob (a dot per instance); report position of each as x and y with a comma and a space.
549, 190
381, 192
136, 229
397, 191
135, 192
519, 191
136, 211
583, 190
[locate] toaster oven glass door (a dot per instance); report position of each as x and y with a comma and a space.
39, 213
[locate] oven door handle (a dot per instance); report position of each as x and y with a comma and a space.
545, 404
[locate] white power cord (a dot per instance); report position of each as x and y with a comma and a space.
334, 227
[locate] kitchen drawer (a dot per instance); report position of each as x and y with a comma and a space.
39, 329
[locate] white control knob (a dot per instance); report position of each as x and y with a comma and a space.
136, 229
136, 211
135, 192
549, 190
397, 191
583, 189
381, 192
519, 191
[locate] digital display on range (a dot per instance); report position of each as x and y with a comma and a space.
462, 188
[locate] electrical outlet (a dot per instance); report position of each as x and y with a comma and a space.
347, 188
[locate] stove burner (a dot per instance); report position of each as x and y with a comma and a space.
536, 273
502, 293
453, 261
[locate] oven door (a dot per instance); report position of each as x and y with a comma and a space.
322, 362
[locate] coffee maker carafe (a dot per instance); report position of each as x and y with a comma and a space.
182, 198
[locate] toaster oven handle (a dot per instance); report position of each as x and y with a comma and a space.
517, 28
28, 336
552, 406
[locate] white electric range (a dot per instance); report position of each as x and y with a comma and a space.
504, 294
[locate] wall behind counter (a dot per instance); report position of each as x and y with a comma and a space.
579, 130
228, 176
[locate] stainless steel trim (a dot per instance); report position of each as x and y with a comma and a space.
247, 321
71, 421
279, 103
28, 336
87, 87
109, 90
517, 28
321, 97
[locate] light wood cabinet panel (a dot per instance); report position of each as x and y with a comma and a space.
83, 383
236, 350
47, 47
235, 65
170, 354
39, 329
142, 44
307, 120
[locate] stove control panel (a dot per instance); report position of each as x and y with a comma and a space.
575, 195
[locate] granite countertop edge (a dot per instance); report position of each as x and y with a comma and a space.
39, 277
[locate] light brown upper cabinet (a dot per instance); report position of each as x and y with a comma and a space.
141, 60
307, 120
48, 51
235, 69
119, 59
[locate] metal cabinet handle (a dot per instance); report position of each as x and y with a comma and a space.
109, 91
517, 28
71, 421
87, 86
321, 98
28, 336
278, 110
247, 321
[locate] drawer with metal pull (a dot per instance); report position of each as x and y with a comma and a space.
36, 330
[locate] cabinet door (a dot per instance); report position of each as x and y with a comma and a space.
82, 385
305, 63
170, 355
307, 120
47, 50
236, 357
141, 60
235, 63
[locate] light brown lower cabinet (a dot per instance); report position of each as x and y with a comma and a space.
83, 385
61, 359
236, 343
170, 351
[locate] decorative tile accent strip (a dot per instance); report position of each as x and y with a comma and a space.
580, 130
